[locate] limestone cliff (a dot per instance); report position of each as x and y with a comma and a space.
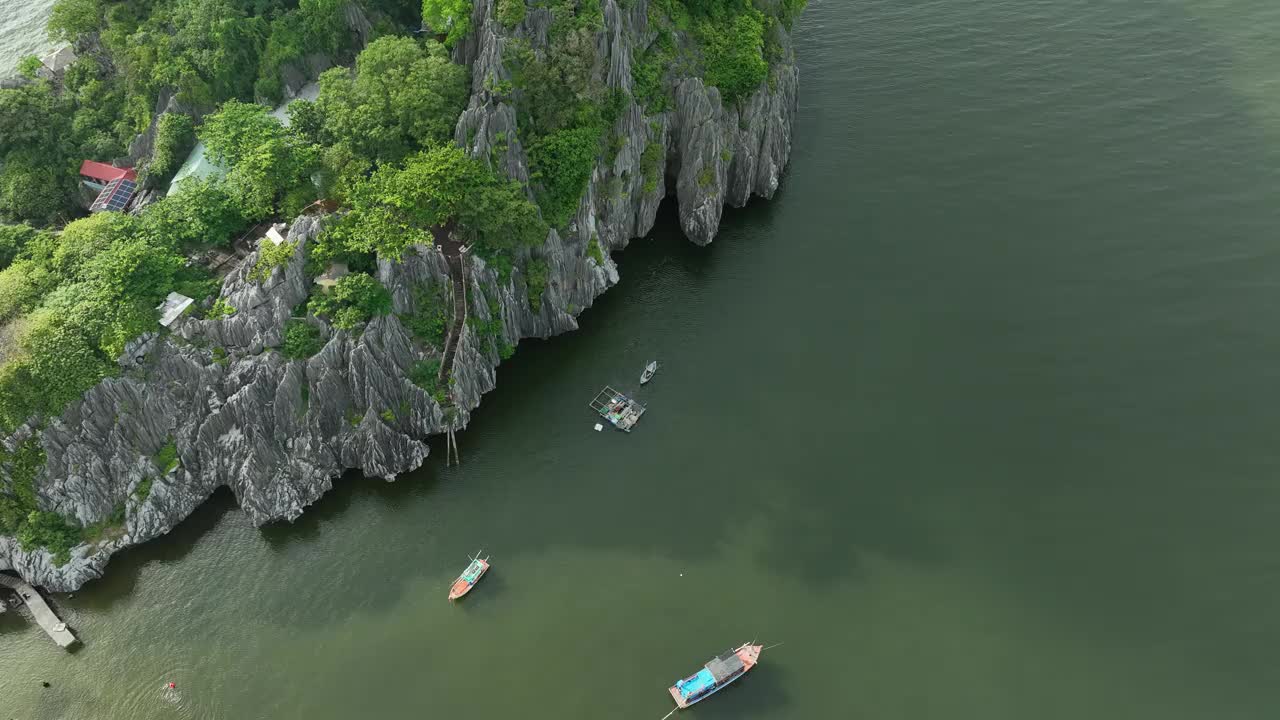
278, 432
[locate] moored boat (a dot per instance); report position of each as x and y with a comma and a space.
469, 577
649, 370
719, 672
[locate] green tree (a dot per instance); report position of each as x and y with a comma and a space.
301, 340
265, 158
735, 54
353, 300
29, 66
22, 285
511, 12
175, 136
201, 213
72, 18
13, 238
133, 268
450, 18
437, 192
32, 189
81, 240
403, 95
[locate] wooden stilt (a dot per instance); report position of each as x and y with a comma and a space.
457, 457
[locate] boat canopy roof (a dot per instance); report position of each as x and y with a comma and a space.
700, 682
725, 666
473, 571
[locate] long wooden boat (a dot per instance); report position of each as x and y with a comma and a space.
469, 577
649, 370
716, 675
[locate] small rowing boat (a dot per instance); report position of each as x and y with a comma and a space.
649, 370
719, 672
469, 577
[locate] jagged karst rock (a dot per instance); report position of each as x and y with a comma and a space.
277, 432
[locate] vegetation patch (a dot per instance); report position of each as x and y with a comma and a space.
354, 300
166, 459
511, 12
707, 177
175, 136
448, 18
536, 272
426, 375
429, 322
594, 251
20, 515
301, 339
270, 257
108, 528
221, 309
651, 165
143, 490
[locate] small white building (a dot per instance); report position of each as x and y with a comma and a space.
57, 61
275, 234
172, 308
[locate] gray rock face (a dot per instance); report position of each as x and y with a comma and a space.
277, 432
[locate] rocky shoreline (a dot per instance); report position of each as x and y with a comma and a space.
278, 432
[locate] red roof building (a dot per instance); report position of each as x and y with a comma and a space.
117, 185
102, 173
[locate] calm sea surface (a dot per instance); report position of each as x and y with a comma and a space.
978, 416
22, 31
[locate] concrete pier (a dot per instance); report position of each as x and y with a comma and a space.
41, 611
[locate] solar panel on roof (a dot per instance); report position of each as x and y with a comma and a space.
115, 196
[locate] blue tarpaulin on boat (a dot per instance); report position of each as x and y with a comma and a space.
696, 685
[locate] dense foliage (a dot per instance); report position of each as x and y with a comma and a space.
21, 517
354, 300
12, 239
736, 41
429, 322
270, 257
301, 340
567, 111
448, 18
76, 299
437, 191
403, 95
175, 136
270, 165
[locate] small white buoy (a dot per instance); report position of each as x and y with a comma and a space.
681, 574
599, 427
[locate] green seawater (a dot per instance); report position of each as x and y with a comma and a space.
978, 416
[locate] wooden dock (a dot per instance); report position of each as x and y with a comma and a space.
40, 610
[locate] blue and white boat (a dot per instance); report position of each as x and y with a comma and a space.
722, 670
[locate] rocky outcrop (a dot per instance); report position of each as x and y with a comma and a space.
278, 431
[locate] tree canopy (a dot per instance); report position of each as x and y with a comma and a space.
268, 162
450, 18
437, 190
403, 95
